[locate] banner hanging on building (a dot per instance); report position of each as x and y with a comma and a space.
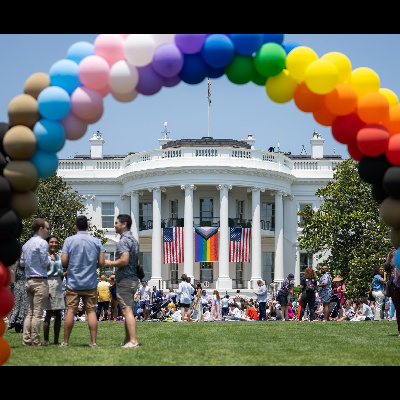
173, 245
239, 245
206, 244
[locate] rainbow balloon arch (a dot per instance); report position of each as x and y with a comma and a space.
59, 105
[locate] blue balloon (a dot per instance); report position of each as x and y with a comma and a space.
79, 50
65, 74
247, 43
274, 37
50, 135
397, 258
289, 46
54, 103
218, 50
45, 163
194, 69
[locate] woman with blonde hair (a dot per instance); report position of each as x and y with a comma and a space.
308, 286
216, 314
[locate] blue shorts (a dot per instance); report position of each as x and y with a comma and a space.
282, 299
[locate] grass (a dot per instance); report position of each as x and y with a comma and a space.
363, 343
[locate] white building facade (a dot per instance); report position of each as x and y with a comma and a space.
205, 182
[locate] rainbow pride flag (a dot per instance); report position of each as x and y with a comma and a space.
206, 244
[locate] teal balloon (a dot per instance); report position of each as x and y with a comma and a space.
80, 50
50, 135
65, 74
270, 60
53, 103
45, 163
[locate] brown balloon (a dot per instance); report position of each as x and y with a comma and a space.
19, 142
395, 237
23, 110
36, 83
24, 204
390, 212
22, 175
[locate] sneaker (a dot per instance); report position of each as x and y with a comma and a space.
93, 345
64, 344
129, 345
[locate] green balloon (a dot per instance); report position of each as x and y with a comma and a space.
240, 70
270, 59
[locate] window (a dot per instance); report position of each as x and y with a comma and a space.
174, 274
173, 212
239, 210
107, 215
145, 262
306, 261
206, 212
268, 216
268, 267
301, 208
145, 216
206, 272
109, 255
238, 282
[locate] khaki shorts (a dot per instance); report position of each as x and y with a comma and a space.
126, 289
89, 298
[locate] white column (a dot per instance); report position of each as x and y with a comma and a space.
279, 271
188, 265
224, 281
156, 245
256, 255
135, 229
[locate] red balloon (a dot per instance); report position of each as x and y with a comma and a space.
345, 128
5, 275
373, 140
355, 153
393, 150
6, 301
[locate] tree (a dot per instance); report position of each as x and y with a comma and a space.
60, 205
346, 233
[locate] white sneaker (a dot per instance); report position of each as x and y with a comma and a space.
129, 345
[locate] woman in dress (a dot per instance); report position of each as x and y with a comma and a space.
216, 314
338, 289
56, 302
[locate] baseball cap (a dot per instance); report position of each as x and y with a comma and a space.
290, 276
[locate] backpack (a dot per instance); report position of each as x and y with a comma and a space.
310, 286
140, 272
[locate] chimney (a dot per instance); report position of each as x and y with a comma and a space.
317, 146
250, 140
96, 145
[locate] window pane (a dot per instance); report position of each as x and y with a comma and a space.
268, 267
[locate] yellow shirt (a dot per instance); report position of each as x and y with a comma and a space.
103, 291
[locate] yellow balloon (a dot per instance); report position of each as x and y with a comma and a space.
341, 62
280, 88
364, 80
391, 96
298, 61
321, 77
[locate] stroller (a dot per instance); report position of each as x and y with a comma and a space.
157, 311
334, 306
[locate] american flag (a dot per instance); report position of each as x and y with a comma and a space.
239, 245
209, 92
173, 245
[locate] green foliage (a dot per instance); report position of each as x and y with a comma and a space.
60, 205
347, 233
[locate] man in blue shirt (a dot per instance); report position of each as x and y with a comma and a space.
82, 254
127, 281
36, 260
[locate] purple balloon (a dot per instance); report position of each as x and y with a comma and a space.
190, 43
149, 81
167, 60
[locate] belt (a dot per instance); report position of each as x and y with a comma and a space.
37, 277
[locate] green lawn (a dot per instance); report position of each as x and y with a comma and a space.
363, 343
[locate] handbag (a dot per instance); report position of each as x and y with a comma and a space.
370, 297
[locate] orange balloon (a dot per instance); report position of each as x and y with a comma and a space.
342, 100
323, 116
392, 120
2, 326
5, 351
306, 100
373, 107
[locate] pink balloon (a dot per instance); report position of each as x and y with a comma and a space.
87, 104
94, 72
74, 127
110, 46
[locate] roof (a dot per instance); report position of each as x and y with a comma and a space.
206, 141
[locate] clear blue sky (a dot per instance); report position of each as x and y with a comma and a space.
236, 110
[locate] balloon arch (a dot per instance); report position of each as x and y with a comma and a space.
59, 105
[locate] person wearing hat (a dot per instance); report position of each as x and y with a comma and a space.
338, 289
284, 292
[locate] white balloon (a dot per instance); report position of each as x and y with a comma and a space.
123, 77
161, 38
139, 49
125, 97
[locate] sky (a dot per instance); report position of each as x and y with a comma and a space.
236, 110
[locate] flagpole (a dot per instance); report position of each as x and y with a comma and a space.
209, 103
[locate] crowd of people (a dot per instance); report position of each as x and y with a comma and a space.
53, 286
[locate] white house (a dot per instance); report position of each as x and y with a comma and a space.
205, 182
